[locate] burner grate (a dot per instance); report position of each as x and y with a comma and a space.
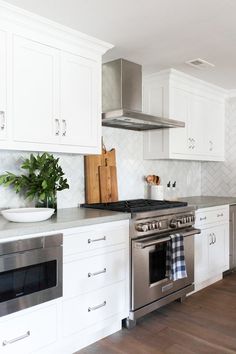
136, 205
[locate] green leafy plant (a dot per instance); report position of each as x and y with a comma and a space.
43, 179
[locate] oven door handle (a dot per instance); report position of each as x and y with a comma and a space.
145, 244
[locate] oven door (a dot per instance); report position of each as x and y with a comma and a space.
30, 276
148, 273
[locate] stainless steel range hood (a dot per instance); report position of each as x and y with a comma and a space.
122, 99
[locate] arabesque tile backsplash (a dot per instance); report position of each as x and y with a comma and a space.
131, 171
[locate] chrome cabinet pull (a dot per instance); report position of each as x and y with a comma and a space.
201, 219
65, 127
219, 215
191, 144
97, 239
211, 145
97, 307
57, 127
3, 121
96, 273
11, 341
211, 241
190, 141
214, 238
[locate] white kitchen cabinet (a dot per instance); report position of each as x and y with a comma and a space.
95, 283
53, 85
199, 104
3, 85
95, 295
35, 92
79, 102
29, 330
211, 246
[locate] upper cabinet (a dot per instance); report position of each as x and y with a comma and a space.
50, 95
3, 85
35, 92
199, 104
80, 81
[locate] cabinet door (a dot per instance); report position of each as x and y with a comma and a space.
214, 128
217, 250
35, 92
179, 111
80, 101
3, 85
201, 257
196, 114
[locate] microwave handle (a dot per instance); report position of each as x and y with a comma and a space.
145, 244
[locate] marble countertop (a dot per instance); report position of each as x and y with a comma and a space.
63, 219
208, 201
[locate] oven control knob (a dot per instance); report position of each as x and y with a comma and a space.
173, 224
145, 227
156, 225
151, 225
142, 227
189, 219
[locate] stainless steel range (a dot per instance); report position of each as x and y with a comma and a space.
152, 223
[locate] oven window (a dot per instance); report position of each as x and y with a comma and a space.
27, 280
157, 263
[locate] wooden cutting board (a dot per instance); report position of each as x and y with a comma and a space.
101, 178
92, 180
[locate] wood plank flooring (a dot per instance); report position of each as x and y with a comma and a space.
204, 323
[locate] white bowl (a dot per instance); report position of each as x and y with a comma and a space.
27, 214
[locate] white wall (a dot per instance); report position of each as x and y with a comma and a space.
219, 178
131, 171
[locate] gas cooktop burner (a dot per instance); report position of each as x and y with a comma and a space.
136, 205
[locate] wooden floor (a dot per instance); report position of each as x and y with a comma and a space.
204, 323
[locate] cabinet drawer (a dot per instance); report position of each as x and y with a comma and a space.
207, 216
30, 332
93, 308
90, 274
96, 238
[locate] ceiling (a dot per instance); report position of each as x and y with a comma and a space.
156, 33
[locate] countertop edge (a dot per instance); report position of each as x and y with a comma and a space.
42, 227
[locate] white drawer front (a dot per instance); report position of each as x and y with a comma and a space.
90, 274
27, 333
94, 239
212, 216
86, 310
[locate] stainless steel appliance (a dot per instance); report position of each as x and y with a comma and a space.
122, 99
152, 223
232, 233
30, 272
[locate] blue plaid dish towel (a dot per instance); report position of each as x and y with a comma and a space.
175, 260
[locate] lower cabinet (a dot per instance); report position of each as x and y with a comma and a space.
95, 296
29, 331
211, 246
93, 308
95, 283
